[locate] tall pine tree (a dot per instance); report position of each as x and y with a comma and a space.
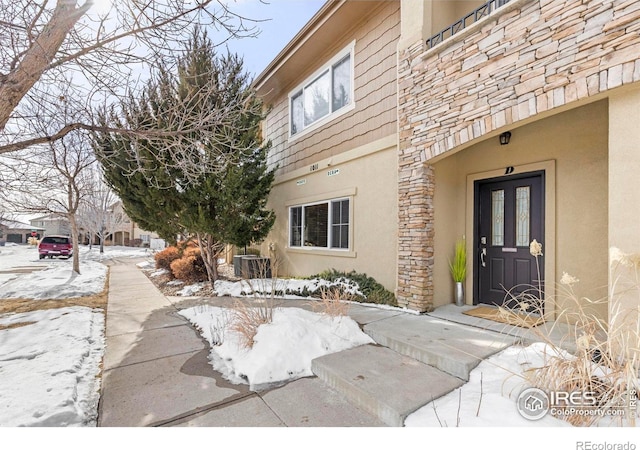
227, 206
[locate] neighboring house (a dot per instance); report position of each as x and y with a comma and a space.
125, 231
122, 230
17, 232
390, 139
52, 224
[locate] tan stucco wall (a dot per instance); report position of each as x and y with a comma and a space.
624, 207
577, 141
421, 19
446, 12
368, 175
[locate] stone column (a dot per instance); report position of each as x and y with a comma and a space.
415, 236
415, 177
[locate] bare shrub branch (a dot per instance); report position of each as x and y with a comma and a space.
333, 302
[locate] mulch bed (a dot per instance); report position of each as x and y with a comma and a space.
168, 285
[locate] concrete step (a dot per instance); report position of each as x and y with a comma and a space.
453, 348
382, 382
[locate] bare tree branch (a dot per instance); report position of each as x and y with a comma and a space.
50, 179
44, 44
38, 57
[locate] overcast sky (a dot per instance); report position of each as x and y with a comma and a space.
283, 19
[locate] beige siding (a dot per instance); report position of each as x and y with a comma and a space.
375, 87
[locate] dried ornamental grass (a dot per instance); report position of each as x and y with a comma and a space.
605, 365
246, 320
333, 302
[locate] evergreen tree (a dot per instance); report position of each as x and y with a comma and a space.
153, 206
224, 207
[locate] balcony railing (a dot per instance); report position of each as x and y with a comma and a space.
472, 17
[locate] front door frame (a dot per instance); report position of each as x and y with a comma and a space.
549, 243
536, 232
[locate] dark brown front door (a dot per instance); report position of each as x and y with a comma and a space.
510, 214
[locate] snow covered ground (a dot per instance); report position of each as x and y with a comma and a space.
283, 351
50, 359
54, 278
48, 366
489, 398
284, 288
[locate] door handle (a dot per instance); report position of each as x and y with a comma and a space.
483, 253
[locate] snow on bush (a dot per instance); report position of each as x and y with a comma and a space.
281, 287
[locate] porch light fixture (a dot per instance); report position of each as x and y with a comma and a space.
505, 137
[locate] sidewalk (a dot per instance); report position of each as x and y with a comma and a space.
156, 373
156, 369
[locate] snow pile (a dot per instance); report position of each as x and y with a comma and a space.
282, 350
49, 369
283, 288
114, 251
145, 265
19, 256
58, 282
159, 273
191, 289
489, 398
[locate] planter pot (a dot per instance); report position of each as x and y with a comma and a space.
459, 293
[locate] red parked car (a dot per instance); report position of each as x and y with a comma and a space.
55, 246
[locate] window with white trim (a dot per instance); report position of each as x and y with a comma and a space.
325, 94
320, 225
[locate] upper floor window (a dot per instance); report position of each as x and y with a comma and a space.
325, 94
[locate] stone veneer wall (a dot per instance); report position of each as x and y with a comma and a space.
530, 57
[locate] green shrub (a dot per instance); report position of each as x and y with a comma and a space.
373, 292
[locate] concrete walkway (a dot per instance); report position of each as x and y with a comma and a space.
156, 373
156, 369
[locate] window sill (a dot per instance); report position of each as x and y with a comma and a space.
322, 252
322, 122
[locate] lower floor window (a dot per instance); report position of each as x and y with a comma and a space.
321, 225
